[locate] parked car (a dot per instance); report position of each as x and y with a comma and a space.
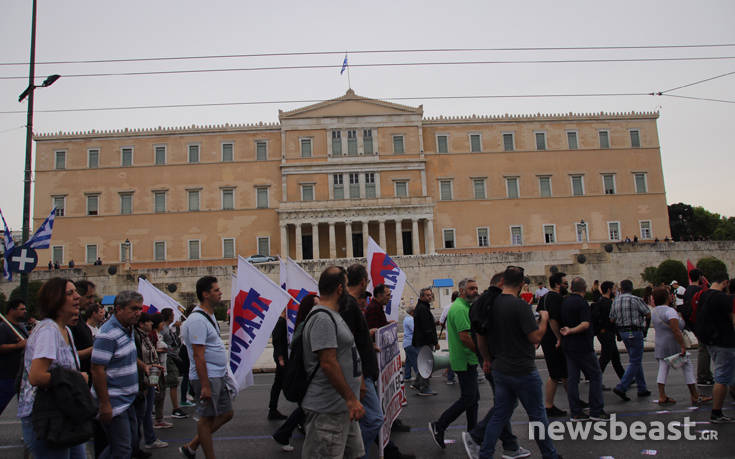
260, 258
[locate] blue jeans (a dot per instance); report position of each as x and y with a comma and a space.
144, 414
450, 374
586, 363
467, 403
412, 355
509, 441
41, 450
7, 392
508, 391
633, 341
371, 423
122, 434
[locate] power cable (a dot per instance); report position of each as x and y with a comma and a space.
698, 82
706, 99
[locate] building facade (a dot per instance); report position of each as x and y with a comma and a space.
316, 184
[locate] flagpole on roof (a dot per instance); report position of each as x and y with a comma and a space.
349, 84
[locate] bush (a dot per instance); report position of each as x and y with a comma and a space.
711, 265
670, 270
650, 274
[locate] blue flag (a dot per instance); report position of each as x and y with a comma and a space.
344, 65
9, 245
42, 237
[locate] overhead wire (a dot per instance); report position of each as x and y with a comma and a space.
698, 82
706, 99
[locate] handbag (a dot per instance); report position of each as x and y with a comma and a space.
687, 335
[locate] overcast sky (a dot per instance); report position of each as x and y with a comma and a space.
696, 153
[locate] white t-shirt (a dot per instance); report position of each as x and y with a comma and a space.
680, 291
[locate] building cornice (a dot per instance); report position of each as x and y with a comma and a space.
160, 130
571, 116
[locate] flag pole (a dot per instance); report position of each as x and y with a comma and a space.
349, 83
7, 322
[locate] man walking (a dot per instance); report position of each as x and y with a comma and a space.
375, 311
687, 309
411, 352
629, 314
578, 348
201, 335
11, 349
331, 405
556, 362
115, 376
605, 330
173, 343
463, 361
279, 338
424, 334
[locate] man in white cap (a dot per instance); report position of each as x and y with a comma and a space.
678, 292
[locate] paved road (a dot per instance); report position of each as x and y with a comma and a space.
248, 435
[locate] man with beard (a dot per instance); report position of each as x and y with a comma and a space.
424, 334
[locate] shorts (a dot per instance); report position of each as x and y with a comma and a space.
556, 361
331, 435
724, 359
172, 373
219, 404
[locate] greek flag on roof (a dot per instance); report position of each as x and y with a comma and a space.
344, 65
9, 244
42, 237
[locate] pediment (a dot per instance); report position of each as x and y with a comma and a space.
350, 105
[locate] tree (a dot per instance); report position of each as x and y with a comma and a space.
650, 274
670, 270
32, 300
711, 265
689, 223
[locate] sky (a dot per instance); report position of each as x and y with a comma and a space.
696, 154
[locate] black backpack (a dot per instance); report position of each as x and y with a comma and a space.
295, 380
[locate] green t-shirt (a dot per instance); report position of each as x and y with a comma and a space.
458, 320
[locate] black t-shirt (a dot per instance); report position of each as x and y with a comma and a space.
601, 316
550, 302
350, 312
714, 320
512, 321
83, 339
10, 361
574, 311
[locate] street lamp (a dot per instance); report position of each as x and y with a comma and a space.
29, 142
582, 231
127, 250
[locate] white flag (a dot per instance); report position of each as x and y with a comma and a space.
298, 283
258, 301
249, 379
155, 300
383, 270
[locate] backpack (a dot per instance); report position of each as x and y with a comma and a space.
480, 310
686, 308
706, 331
295, 380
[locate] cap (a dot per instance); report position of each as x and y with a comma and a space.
674, 282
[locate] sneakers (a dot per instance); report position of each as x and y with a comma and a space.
178, 413
450, 382
720, 419
472, 448
621, 394
555, 412
186, 404
604, 417
162, 425
520, 452
275, 415
644, 393
437, 435
581, 417
186, 452
156, 444
286, 448
426, 393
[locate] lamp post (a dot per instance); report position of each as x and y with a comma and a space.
127, 250
582, 231
28, 92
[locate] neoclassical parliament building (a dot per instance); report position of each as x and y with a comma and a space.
318, 182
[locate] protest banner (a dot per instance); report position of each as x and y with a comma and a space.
298, 283
154, 300
383, 270
390, 390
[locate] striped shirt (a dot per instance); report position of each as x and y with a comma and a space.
629, 311
114, 348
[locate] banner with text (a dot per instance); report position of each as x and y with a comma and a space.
154, 300
390, 390
298, 283
383, 270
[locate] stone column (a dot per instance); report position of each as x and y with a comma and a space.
415, 236
399, 236
382, 234
365, 236
284, 241
429, 235
299, 250
332, 242
315, 240
349, 253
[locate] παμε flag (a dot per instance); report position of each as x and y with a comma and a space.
383, 270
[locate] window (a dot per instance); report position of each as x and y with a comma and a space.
93, 204
160, 154
338, 188
635, 138
508, 142
608, 183
126, 203
367, 141
352, 142
604, 139
401, 188
475, 143
261, 150
228, 247
370, 189
159, 201
516, 235
306, 148
336, 143
307, 192
483, 238
540, 141
640, 182
60, 160
581, 230
193, 200
126, 157
445, 190
572, 140
544, 186
398, 144
549, 234
228, 152
60, 203
511, 186
194, 249
264, 246
448, 238
646, 229
613, 230
193, 153
478, 186
159, 250
93, 159
126, 252
354, 185
442, 144
228, 198
261, 193
57, 254
577, 185
91, 254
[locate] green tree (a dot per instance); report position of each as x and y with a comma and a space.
725, 230
689, 223
32, 300
710, 265
670, 270
650, 274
